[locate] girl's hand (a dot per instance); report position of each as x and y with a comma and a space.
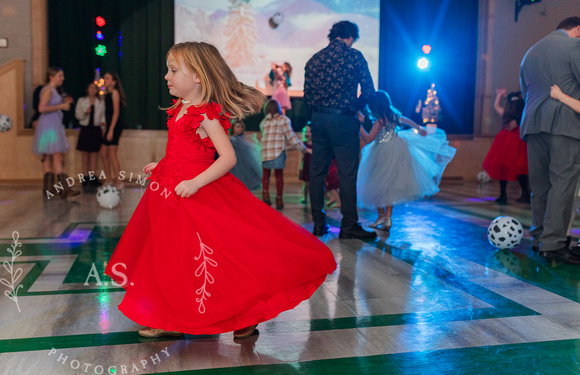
502, 91
186, 188
65, 106
422, 132
110, 136
149, 167
360, 116
555, 92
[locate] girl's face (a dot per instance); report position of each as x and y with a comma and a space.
307, 134
181, 82
109, 81
238, 129
92, 90
57, 79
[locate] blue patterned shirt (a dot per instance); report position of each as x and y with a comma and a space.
332, 77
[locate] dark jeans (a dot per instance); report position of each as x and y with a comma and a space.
336, 135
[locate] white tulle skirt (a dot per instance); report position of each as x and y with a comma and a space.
408, 167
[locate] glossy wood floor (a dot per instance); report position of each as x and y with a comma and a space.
431, 296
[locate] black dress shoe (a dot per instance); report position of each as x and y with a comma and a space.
562, 255
524, 198
502, 200
575, 250
357, 231
321, 231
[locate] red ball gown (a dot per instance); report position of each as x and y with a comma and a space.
218, 261
507, 157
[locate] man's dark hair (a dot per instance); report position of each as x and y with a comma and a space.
568, 23
343, 30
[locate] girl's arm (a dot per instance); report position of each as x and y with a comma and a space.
368, 138
45, 97
292, 138
500, 93
102, 119
414, 125
557, 94
220, 167
82, 108
116, 110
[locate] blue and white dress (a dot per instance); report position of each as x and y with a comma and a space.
248, 168
402, 166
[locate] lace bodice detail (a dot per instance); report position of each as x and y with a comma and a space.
186, 146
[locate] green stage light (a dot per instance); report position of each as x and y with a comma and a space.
101, 50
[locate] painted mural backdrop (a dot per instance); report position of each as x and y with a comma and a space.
253, 34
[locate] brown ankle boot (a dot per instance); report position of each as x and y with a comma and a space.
279, 203
266, 197
67, 189
48, 185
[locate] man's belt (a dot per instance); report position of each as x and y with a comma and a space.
334, 111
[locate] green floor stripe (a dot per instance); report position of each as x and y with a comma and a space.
123, 338
546, 358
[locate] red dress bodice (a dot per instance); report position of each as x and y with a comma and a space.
187, 154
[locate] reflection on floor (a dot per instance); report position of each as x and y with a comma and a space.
429, 297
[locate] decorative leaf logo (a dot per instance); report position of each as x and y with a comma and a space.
13, 286
204, 250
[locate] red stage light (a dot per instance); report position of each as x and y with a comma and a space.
100, 21
426, 49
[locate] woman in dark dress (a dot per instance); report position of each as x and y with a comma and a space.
114, 99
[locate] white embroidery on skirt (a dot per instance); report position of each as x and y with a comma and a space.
204, 250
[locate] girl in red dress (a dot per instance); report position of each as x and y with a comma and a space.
507, 159
184, 266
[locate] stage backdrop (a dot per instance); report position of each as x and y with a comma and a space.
251, 34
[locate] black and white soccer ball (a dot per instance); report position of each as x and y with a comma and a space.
108, 196
5, 123
505, 232
483, 177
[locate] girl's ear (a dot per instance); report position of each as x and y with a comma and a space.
196, 79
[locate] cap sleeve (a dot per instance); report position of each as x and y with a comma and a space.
215, 112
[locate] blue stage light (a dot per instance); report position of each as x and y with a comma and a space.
423, 63
99, 35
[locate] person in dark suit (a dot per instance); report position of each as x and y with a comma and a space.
552, 131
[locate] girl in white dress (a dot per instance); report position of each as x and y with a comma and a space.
399, 165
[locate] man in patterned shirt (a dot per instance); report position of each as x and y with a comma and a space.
332, 77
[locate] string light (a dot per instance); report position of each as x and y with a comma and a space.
100, 21
101, 50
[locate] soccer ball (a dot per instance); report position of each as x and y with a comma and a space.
483, 177
505, 232
108, 196
5, 123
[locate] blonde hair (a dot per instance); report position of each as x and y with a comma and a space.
218, 82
